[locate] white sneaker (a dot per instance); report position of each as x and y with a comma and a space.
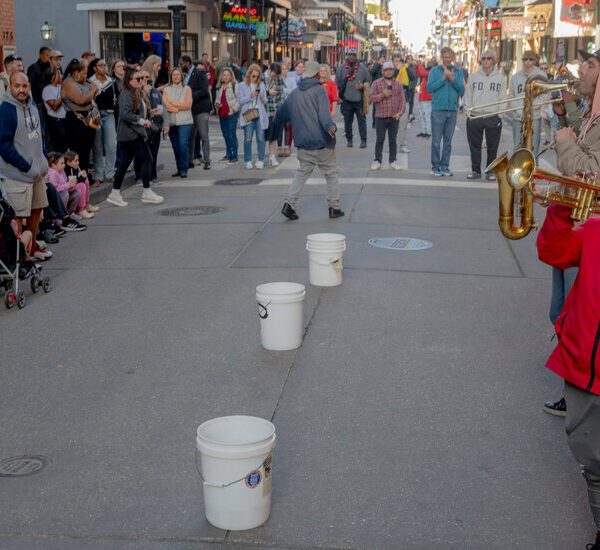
150, 197
249, 165
42, 255
91, 208
376, 165
404, 149
260, 165
273, 161
85, 215
116, 198
395, 166
155, 182
138, 183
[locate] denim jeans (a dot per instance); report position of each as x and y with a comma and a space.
249, 129
562, 281
105, 148
229, 127
425, 116
180, 141
537, 134
442, 127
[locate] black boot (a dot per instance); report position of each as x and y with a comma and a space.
335, 213
363, 144
596, 545
207, 165
349, 144
288, 211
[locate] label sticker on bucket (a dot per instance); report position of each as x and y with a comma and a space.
253, 479
400, 243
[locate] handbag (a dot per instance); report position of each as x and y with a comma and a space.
92, 119
251, 114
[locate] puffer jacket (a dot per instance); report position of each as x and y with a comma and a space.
232, 100
576, 357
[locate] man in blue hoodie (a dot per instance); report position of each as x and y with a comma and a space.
23, 165
446, 84
307, 108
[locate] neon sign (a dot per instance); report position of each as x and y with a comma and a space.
236, 19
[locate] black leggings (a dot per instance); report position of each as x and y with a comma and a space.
80, 138
137, 149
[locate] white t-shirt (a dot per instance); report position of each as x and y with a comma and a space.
50, 93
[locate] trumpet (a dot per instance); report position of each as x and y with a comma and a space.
473, 113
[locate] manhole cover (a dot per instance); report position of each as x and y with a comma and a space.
400, 243
21, 466
239, 181
191, 210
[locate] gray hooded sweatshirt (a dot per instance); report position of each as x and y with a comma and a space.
21, 141
483, 89
516, 88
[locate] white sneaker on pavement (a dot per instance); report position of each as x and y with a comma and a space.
85, 215
249, 165
116, 198
395, 166
260, 164
150, 197
376, 165
404, 149
273, 161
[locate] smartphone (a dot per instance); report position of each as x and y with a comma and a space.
389, 87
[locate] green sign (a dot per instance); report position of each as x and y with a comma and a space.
262, 30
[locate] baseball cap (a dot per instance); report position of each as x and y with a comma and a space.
311, 68
586, 55
387, 65
56, 53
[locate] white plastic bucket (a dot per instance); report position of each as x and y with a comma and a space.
325, 252
281, 313
235, 465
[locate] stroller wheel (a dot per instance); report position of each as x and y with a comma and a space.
46, 284
20, 299
35, 284
9, 299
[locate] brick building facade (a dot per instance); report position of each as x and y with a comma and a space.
7, 29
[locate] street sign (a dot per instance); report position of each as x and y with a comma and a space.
262, 30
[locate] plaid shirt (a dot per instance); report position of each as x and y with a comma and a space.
274, 101
387, 106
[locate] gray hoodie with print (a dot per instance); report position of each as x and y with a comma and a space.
482, 89
21, 141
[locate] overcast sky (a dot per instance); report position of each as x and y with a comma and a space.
412, 18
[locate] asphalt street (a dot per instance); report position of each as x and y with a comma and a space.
411, 417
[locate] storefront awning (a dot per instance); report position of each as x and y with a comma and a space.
135, 5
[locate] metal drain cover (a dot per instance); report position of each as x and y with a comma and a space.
191, 210
239, 181
400, 243
20, 466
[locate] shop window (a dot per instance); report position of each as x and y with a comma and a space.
111, 46
146, 20
189, 45
111, 19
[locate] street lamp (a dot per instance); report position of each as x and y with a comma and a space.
213, 34
47, 31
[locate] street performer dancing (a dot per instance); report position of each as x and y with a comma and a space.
576, 357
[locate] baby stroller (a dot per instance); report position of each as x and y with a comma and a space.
13, 268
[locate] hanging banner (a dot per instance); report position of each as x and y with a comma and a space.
295, 32
573, 18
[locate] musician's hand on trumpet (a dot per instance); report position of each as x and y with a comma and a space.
565, 133
540, 195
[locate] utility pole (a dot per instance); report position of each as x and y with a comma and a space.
248, 34
176, 9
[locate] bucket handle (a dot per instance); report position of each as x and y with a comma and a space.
266, 463
336, 264
262, 307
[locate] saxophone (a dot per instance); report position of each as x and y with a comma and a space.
516, 175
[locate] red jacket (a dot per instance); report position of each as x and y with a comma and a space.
576, 357
423, 74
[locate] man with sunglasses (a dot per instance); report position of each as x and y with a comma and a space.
12, 65
517, 89
485, 86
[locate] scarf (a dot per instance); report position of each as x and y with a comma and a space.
354, 71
